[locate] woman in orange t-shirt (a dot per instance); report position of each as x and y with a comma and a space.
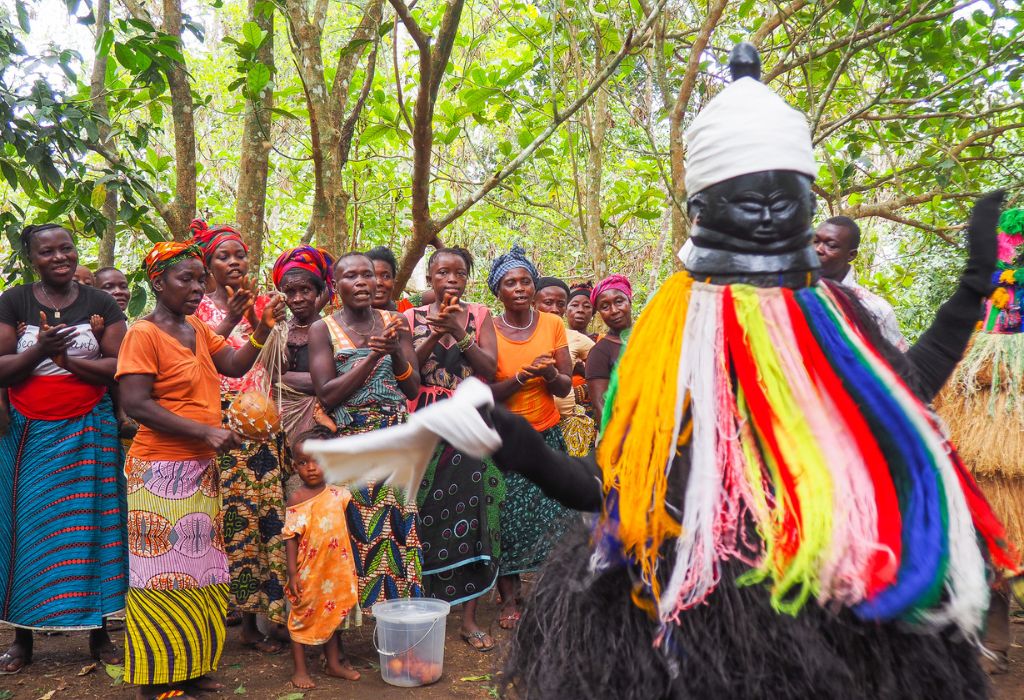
177, 567
533, 368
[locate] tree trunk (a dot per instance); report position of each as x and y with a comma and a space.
595, 173
184, 208
251, 194
98, 98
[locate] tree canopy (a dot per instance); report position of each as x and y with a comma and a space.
555, 124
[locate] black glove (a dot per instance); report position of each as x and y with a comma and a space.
572, 481
981, 243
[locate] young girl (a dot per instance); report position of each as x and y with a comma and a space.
321, 572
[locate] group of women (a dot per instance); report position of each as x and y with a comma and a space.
190, 527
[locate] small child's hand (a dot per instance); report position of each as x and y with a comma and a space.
22, 327
97, 325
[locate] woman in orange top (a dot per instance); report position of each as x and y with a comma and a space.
177, 568
533, 368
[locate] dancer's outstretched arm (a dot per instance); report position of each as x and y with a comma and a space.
575, 482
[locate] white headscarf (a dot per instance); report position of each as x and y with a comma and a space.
746, 128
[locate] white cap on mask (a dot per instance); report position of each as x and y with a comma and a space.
746, 128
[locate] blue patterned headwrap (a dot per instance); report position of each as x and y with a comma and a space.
510, 261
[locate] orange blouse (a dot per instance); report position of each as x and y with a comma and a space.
533, 402
186, 383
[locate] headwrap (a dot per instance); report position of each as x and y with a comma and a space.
580, 289
543, 282
611, 282
167, 254
316, 261
723, 142
209, 239
510, 261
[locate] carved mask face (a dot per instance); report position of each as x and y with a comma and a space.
766, 212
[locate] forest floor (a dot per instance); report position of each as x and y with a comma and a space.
62, 670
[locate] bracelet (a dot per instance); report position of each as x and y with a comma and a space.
404, 375
466, 343
521, 382
252, 341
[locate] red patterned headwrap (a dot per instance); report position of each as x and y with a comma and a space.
167, 254
618, 282
317, 261
209, 239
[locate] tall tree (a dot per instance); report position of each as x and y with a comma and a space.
331, 124
98, 97
433, 61
254, 159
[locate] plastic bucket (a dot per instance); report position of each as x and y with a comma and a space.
410, 640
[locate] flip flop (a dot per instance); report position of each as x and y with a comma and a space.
511, 619
479, 636
6, 660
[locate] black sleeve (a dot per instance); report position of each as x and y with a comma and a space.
936, 353
575, 482
599, 364
10, 311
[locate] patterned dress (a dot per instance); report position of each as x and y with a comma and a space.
252, 489
460, 497
325, 568
178, 570
381, 521
63, 546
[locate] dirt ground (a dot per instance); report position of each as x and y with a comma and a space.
59, 661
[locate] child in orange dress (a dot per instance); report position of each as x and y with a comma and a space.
321, 572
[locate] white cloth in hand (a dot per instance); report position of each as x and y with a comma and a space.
399, 455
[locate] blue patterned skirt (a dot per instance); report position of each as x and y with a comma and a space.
63, 540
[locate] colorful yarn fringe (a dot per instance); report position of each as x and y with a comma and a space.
808, 459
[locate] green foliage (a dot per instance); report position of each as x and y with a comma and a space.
910, 122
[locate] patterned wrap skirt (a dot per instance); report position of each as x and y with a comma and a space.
252, 489
178, 571
63, 546
382, 526
531, 523
459, 507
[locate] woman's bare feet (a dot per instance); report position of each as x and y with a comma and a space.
102, 648
205, 683
342, 669
302, 680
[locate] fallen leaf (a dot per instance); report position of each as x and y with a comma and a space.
116, 672
292, 696
86, 670
48, 695
240, 690
475, 679
6, 694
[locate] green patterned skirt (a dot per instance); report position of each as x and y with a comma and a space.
531, 522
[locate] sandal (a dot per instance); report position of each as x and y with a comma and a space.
479, 636
508, 622
6, 659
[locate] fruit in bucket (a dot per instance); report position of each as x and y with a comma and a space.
422, 671
254, 415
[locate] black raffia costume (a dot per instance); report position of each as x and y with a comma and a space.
613, 614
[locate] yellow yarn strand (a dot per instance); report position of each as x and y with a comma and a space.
638, 436
803, 457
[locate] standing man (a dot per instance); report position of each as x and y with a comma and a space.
836, 241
